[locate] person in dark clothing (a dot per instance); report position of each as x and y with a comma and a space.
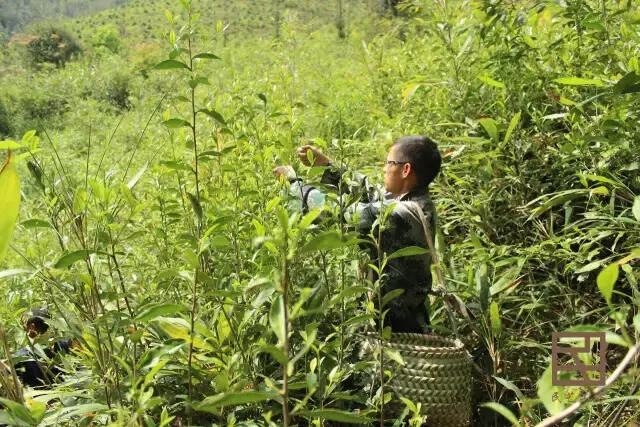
412, 164
34, 367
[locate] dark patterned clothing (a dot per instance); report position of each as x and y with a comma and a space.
404, 228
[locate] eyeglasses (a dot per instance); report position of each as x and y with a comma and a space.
394, 162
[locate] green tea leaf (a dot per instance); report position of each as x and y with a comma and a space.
494, 315
276, 318
206, 56
336, 415
171, 64
607, 279
68, 259
408, 251
324, 242
9, 203
578, 81
490, 127
636, 208
274, 351
35, 223
158, 310
195, 203
491, 82
391, 295
512, 126
212, 403
309, 218
547, 391
214, 115
176, 123
504, 411
395, 356
630, 83
511, 386
18, 412
9, 144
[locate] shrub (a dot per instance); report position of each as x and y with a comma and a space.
117, 90
52, 45
106, 36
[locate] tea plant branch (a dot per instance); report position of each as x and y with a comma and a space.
593, 393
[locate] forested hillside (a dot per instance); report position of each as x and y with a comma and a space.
16, 14
138, 204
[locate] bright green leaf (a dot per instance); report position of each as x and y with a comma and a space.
70, 258
491, 82
158, 310
490, 127
494, 316
578, 81
176, 123
607, 279
512, 126
408, 251
636, 208
9, 203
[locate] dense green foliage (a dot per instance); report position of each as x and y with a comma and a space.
151, 224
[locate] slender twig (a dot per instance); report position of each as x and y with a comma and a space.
593, 393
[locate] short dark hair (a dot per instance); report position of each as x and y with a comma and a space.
424, 156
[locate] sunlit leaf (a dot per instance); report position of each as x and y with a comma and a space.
548, 393
578, 81
176, 123
324, 242
157, 310
491, 82
512, 126
494, 316
636, 208
490, 127
408, 251
607, 279
137, 176
9, 203
35, 223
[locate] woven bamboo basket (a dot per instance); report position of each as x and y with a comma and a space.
436, 373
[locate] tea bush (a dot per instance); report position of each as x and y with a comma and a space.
152, 226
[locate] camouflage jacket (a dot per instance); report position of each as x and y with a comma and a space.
403, 228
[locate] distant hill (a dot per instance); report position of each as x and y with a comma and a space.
144, 20
17, 14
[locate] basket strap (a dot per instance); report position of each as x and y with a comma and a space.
434, 260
